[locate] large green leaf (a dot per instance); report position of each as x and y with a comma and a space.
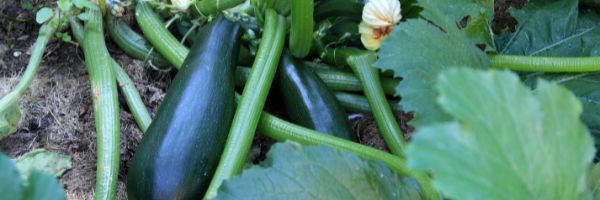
43, 186
11, 183
39, 185
552, 28
558, 28
594, 181
506, 142
296, 172
447, 13
42, 160
417, 51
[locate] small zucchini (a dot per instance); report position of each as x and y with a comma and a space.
133, 44
308, 102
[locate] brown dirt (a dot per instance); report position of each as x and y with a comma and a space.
502, 19
57, 111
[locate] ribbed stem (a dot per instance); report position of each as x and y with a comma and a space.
155, 31
211, 7
546, 64
252, 102
44, 35
106, 107
282, 130
361, 63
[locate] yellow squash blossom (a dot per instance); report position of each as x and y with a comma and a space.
378, 20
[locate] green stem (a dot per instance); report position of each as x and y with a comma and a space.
252, 102
546, 64
155, 31
361, 63
102, 5
106, 106
357, 103
281, 130
334, 79
132, 96
211, 7
301, 29
44, 35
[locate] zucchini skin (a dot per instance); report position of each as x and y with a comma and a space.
181, 149
309, 102
133, 43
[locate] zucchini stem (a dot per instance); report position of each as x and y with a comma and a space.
281, 130
545, 64
44, 35
301, 29
132, 96
106, 106
155, 31
361, 63
211, 7
252, 102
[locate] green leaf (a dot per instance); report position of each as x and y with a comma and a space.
42, 160
417, 51
447, 13
293, 171
43, 15
547, 28
9, 119
81, 4
26, 5
65, 5
560, 29
11, 186
43, 186
506, 142
594, 181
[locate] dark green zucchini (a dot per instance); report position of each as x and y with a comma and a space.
308, 102
182, 147
133, 43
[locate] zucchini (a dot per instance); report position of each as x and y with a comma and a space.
133, 44
106, 106
181, 149
308, 102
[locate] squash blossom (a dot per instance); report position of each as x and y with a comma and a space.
378, 20
181, 5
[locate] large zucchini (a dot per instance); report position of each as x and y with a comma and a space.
181, 149
308, 101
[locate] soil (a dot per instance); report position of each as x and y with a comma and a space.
57, 111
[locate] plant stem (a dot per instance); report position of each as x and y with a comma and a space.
281, 130
334, 79
132, 96
546, 64
106, 106
361, 63
211, 7
301, 29
44, 35
252, 102
357, 103
155, 31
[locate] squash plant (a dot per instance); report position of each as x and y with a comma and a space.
482, 133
